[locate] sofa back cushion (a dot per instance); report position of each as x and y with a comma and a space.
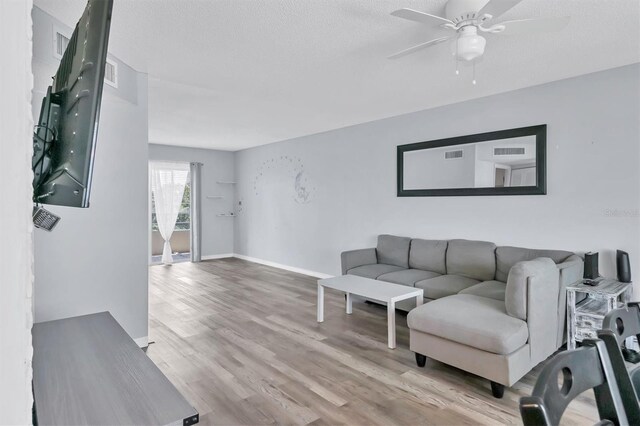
428, 255
507, 256
473, 259
393, 250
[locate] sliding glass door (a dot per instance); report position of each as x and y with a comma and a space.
174, 190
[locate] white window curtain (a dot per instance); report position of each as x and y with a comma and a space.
167, 185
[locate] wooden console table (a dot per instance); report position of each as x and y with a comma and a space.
87, 370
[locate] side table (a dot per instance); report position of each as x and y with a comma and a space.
585, 317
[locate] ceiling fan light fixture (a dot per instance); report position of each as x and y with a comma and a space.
469, 45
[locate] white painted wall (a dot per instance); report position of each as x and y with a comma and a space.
593, 198
217, 232
16, 250
96, 258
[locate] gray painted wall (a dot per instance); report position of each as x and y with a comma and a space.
217, 232
96, 258
593, 179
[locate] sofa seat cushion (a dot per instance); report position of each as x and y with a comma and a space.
373, 271
408, 276
491, 289
471, 320
444, 285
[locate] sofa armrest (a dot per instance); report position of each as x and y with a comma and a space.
532, 295
354, 258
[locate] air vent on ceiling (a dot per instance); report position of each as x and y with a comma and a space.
450, 155
60, 43
111, 73
508, 151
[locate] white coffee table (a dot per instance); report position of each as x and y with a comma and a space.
380, 291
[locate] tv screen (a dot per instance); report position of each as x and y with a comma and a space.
65, 136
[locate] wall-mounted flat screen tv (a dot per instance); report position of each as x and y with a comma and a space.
65, 136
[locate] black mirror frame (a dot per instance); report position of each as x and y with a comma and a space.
540, 132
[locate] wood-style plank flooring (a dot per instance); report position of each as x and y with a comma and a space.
241, 342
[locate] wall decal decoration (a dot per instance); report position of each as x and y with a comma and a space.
287, 171
302, 192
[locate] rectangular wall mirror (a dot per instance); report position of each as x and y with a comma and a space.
506, 162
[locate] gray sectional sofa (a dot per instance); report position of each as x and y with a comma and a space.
493, 311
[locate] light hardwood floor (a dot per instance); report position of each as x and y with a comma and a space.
241, 342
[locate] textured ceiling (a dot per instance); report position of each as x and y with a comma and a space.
231, 74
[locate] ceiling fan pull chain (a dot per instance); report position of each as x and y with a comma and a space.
474, 72
457, 59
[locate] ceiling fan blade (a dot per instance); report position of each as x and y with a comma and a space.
496, 8
533, 26
425, 18
418, 47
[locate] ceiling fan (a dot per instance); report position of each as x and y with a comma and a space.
470, 18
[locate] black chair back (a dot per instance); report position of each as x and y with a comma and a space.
618, 325
567, 375
623, 322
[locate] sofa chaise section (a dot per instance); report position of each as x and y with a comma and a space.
498, 340
473, 321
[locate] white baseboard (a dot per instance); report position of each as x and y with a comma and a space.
268, 263
285, 267
218, 256
142, 342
